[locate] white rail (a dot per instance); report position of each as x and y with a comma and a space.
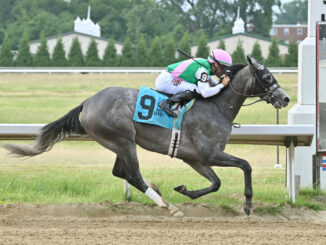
100, 70
290, 136
246, 134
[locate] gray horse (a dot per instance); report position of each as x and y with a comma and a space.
107, 118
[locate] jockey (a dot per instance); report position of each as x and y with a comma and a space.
186, 78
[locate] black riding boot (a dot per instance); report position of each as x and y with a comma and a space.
181, 97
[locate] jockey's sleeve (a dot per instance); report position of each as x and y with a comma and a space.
213, 81
202, 74
207, 91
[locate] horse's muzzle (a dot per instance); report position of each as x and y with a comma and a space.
280, 99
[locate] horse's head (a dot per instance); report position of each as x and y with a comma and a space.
266, 86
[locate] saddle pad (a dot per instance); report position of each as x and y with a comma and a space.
148, 111
183, 110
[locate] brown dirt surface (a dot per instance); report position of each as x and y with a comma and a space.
135, 223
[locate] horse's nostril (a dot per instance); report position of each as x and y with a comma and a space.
286, 99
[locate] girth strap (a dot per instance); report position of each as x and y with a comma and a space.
176, 133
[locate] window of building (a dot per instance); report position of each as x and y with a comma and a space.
273, 31
299, 31
286, 31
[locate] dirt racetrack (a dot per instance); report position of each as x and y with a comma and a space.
134, 223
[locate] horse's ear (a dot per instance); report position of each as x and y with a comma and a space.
252, 60
249, 59
254, 63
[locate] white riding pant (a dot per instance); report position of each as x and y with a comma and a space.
167, 84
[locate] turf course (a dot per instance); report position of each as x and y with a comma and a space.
80, 172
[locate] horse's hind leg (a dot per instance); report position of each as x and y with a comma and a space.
119, 170
127, 167
208, 173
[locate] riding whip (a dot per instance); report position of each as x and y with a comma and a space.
189, 56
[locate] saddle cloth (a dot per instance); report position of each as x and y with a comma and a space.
148, 110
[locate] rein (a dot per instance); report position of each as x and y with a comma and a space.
252, 95
268, 90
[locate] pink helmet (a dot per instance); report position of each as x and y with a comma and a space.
221, 56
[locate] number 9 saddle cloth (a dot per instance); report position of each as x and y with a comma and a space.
147, 110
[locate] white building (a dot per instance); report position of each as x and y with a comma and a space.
67, 39
239, 25
87, 26
85, 30
247, 40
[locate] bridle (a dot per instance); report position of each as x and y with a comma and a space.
267, 95
267, 90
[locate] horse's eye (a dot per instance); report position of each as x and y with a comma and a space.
268, 78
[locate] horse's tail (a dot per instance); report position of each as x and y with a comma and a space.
51, 134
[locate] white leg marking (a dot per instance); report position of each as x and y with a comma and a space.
155, 197
174, 211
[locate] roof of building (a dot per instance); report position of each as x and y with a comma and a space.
290, 25
73, 32
245, 34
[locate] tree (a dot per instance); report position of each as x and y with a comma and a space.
196, 15
59, 55
24, 57
146, 17
221, 44
216, 17
238, 56
293, 12
56, 16
256, 53
6, 57
185, 46
155, 53
75, 55
120, 18
169, 51
29, 16
92, 58
260, 14
178, 32
291, 59
110, 57
111, 16
42, 57
142, 58
127, 53
202, 50
274, 59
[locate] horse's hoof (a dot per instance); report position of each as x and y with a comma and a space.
180, 188
174, 211
246, 210
177, 214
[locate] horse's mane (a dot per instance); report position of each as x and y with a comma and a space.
234, 69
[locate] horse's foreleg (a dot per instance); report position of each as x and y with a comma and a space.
223, 159
208, 173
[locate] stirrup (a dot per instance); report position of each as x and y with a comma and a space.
164, 105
